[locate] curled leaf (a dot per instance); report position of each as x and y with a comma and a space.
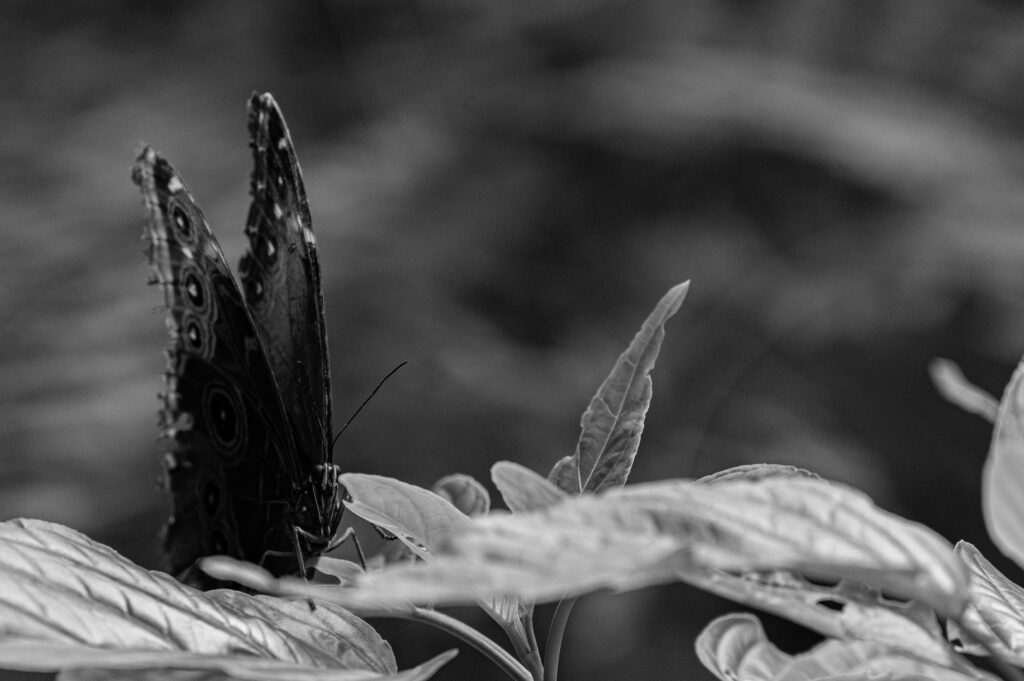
614, 421
735, 648
848, 610
464, 492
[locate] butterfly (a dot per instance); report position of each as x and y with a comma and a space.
246, 412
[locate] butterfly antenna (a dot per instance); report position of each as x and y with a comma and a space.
368, 398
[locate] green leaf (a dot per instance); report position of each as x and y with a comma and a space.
671, 530
524, 490
69, 602
951, 383
613, 423
995, 616
753, 472
1002, 486
735, 648
418, 517
847, 610
464, 492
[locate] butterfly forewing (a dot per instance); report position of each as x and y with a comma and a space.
281, 279
231, 464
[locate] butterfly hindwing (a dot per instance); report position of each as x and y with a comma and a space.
281, 278
230, 458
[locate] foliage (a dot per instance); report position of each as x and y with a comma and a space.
892, 598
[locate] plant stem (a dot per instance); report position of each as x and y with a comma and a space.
553, 648
519, 629
485, 646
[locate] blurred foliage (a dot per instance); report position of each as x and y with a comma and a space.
501, 192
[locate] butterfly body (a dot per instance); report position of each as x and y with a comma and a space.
246, 410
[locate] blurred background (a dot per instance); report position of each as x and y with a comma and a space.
501, 193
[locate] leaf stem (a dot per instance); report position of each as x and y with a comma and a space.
553, 647
462, 631
534, 657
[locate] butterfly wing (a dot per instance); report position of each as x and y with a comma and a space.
281, 279
230, 463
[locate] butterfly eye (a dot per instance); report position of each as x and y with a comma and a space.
224, 418
253, 289
182, 223
194, 335
195, 290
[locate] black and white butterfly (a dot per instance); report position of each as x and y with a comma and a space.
246, 414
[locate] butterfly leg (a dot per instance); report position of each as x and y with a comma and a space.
349, 533
296, 533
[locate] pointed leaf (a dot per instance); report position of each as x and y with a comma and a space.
995, 616
524, 490
418, 517
1002, 489
70, 602
612, 424
464, 492
951, 383
735, 648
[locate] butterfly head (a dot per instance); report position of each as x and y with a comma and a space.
320, 506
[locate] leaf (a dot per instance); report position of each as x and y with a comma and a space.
735, 648
671, 530
951, 383
524, 490
995, 616
847, 610
418, 517
811, 526
70, 602
1002, 486
345, 571
464, 492
43, 656
753, 472
614, 421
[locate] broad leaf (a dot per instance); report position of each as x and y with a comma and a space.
735, 648
418, 517
70, 602
672, 530
1002, 488
613, 423
524, 490
995, 616
464, 492
951, 383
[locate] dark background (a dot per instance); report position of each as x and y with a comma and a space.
501, 192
